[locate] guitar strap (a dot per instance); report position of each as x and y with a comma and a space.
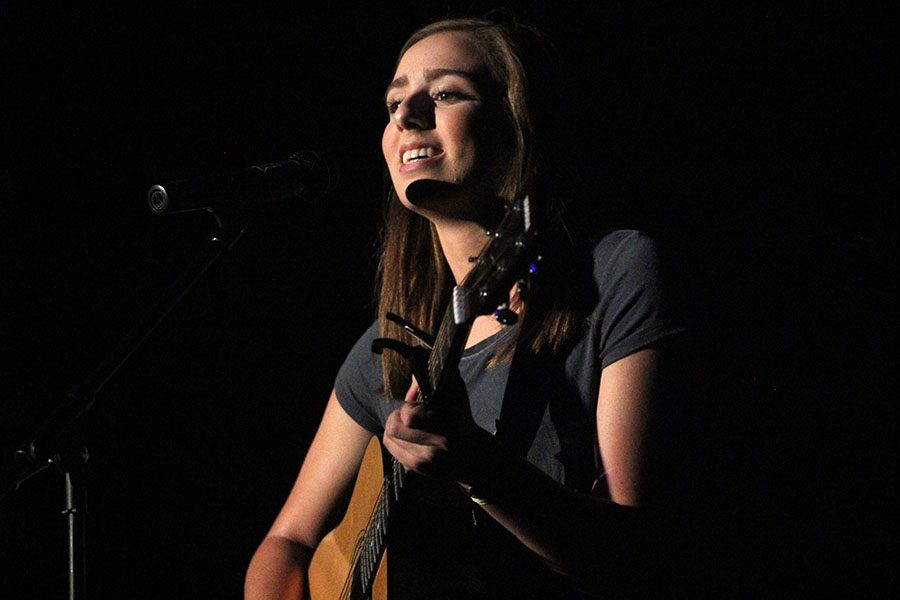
533, 382
525, 401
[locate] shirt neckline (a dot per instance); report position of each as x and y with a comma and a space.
487, 343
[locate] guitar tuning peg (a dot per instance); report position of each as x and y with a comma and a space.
524, 288
506, 316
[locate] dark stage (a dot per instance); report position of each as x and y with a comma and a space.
753, 140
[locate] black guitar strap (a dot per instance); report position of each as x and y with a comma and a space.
525, 401
537, 386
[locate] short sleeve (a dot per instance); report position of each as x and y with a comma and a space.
358, 385
636, 307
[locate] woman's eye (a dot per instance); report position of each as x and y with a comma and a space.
392, 106
444, 95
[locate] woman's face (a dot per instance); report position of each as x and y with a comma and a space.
442, 127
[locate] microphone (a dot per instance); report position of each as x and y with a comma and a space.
305, 174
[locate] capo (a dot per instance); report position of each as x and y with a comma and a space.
417, 357
426, 338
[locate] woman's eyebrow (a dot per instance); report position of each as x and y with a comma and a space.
432, 74
397, 83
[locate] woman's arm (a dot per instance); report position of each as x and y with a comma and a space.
315, 506
577, 534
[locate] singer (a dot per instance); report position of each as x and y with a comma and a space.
552, 427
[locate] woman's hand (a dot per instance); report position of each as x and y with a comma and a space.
438, 439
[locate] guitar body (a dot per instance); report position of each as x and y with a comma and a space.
423, 563
333, 560
432, 549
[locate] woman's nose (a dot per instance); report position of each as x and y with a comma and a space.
415, 113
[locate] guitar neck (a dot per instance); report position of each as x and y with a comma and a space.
445, 355
374, 542
448, 348
487, 286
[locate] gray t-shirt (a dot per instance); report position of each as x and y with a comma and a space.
551, 407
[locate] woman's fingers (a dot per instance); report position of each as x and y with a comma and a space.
416, 450
412, 394
409, 424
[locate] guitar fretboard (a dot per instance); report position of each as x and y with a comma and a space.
447, 348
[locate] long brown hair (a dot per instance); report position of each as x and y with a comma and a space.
414, 279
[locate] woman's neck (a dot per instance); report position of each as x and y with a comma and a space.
460, 241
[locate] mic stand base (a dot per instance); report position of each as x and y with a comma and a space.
75, 512
73, 469
53, 443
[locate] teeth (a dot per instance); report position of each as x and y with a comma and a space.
415, 153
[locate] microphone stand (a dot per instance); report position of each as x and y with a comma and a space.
59, 441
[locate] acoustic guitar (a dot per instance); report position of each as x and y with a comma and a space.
351, 562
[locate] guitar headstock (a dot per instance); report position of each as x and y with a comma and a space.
509, 257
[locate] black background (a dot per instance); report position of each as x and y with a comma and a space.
755, 139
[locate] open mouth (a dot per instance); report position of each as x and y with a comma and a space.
418, 154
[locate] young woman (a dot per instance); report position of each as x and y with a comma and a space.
556, 440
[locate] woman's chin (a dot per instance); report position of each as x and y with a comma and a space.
441, 200
424, 191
